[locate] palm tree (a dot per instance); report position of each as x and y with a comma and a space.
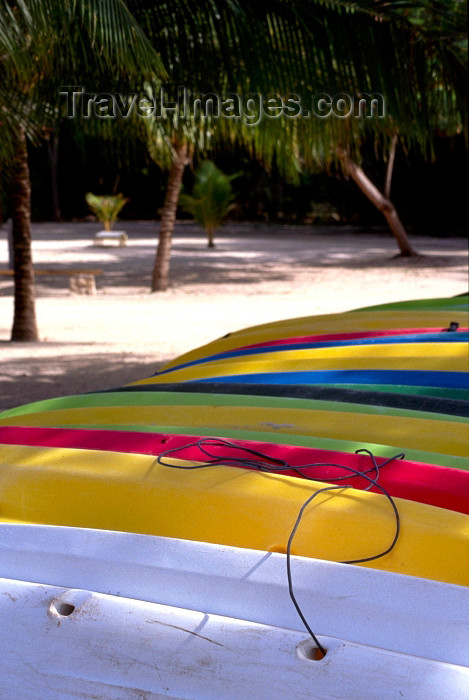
416, 56
371, 47
24, 323
212, 198
44, 45
106, 207
207, 48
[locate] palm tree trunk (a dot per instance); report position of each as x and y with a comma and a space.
210, 242
385, 206
160, 278
390, 168
24, 321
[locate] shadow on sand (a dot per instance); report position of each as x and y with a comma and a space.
64, 376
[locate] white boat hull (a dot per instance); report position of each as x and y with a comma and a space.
91, 613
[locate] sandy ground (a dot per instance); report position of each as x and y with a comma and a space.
257, 273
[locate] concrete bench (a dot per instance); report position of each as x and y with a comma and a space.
80, 281
119, 236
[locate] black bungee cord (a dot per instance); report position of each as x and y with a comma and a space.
288, 556
266, 463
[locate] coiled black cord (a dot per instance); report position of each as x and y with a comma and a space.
260, 461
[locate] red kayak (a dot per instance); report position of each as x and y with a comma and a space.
425, 483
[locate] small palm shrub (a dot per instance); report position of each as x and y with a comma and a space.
106, 207
212, 198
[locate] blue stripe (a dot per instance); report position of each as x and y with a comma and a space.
382, 340
456, 380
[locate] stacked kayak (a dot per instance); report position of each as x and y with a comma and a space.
337, 442
102, 614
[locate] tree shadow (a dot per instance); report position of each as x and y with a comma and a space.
35, 379
245, 254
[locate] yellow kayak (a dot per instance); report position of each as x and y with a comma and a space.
226, 505
349, 322
405, 356
398, 431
